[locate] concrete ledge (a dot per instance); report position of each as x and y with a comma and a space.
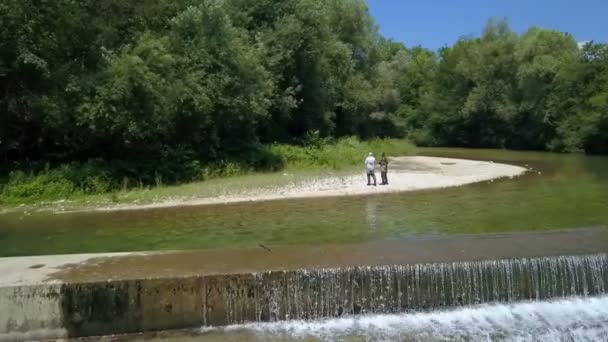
31, 312
86, 295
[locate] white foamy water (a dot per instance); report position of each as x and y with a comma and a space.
573, 319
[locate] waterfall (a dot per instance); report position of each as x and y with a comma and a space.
572, 319
323, 293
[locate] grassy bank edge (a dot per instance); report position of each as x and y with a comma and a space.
300, 164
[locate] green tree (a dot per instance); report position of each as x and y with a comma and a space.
140, 88
594, 109
542, 57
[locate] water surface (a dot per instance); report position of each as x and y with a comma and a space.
560, 191
572, 319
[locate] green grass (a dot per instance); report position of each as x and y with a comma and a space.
51, 189
348, 152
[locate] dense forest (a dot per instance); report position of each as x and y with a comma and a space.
161, 87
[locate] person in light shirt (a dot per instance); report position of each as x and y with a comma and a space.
370, 163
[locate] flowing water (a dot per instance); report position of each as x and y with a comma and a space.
562, 191
559, 298
572, 319
315, 294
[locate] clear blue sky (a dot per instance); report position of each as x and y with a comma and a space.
435, 23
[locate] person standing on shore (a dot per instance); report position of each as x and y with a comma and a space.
370, 163
384, 169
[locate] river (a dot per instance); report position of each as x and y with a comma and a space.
560, 191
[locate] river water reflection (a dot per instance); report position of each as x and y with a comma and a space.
560, 191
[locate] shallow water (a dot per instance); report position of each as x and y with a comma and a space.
561, 191
572, 319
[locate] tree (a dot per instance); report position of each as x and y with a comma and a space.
134, 86
594, 113
542, 57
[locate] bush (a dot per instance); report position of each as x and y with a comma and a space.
258, 158
89, 177
343, 153
164, 165
261, 158
48, 185
222, 169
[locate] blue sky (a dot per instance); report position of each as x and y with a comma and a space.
436, 23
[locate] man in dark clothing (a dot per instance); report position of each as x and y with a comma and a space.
384, 169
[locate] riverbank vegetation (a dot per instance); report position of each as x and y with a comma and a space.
100, 95
81, 182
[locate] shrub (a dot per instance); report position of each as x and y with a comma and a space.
343, 153
48, 185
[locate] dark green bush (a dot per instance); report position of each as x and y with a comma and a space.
48, 185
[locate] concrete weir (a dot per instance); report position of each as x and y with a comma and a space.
85, 295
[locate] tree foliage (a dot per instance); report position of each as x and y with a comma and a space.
142, 84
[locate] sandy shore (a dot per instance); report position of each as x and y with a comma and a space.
405, 174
